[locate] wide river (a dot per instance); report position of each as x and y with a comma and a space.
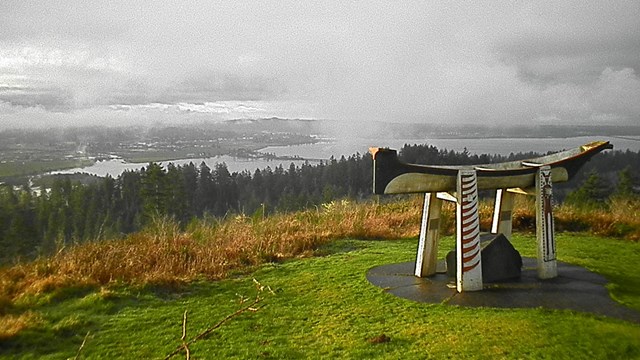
337, 148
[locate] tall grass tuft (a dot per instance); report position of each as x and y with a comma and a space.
619, 217
13, 324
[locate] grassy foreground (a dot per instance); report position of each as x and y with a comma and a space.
323, 307
127, 298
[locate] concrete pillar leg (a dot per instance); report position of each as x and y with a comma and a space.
469, 267
427, 257
547, 266
502, 213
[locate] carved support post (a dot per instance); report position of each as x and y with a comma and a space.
502, 213
547, 267
429, 235
469, 267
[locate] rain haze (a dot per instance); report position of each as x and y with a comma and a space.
70, 63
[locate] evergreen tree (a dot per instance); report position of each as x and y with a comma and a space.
189, 186
84, 209
176, 194
226, 194
9, 212
593, 192
154, 192
205, 191
624, 188
129, 205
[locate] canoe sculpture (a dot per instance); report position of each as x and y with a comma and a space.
392, 176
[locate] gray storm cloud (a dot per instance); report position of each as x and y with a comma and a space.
517, 62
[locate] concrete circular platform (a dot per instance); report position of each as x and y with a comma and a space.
575, 288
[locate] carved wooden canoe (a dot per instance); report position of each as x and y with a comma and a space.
392, 176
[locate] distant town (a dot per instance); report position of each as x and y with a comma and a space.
27, 152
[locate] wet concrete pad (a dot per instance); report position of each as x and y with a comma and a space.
575, 288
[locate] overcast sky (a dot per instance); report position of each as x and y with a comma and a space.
111, 62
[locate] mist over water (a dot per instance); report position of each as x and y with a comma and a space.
324, 150
501, 146
116, 167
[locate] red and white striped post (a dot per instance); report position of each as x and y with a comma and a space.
469, 266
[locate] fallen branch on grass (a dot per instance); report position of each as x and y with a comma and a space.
251, 307
81, 346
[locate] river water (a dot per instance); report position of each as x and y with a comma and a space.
502, 146
115, 167
337, 148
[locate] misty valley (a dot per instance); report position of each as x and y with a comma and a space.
27, 154
40, 214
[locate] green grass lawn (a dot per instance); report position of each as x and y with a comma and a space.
324, 307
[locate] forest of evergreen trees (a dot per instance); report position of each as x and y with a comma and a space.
67, 213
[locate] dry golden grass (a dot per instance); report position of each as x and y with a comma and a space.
13, 324
209, 248
618, 218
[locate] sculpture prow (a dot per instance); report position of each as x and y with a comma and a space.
392, 176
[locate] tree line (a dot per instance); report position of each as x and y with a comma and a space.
33, 224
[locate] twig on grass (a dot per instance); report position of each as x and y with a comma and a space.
84, 341
184, 325
184, 336
251, 307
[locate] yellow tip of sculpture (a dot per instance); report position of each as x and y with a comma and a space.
592, 145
